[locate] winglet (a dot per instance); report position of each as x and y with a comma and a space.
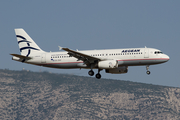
60, 48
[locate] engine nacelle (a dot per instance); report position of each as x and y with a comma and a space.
108, 64
119, 70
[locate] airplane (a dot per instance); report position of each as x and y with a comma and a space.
114, 61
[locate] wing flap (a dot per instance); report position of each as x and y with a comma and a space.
81, 56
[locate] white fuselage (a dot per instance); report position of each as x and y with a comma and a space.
114, 61
125, 57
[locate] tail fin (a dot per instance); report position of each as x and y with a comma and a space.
26, 44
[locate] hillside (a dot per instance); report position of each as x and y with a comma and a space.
44, 96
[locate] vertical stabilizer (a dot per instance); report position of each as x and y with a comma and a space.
26, 44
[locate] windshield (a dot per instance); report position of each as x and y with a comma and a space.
158, 52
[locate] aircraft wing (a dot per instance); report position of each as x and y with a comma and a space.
81, 56
21, 56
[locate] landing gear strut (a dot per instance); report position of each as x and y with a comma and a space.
98, 75
147, 68
91, 72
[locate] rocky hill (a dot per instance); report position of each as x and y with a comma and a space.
44, 96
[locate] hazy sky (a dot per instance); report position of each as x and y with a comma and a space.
96, 24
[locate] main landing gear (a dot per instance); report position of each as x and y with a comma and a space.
147, 68
98, 75
91, 72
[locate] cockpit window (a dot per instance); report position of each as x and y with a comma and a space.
158, 52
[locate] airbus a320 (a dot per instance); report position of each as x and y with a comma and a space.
114, 61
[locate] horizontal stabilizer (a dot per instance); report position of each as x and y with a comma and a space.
21, 56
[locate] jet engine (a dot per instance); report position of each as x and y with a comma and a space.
108, 64
119, 70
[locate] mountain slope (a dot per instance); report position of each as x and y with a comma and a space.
32, 95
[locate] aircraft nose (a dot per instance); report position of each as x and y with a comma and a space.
166, 58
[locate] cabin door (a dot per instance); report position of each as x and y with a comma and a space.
146, 53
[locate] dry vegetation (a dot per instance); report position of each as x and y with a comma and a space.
44, 96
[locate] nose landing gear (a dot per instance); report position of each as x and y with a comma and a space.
148, 72
147, 68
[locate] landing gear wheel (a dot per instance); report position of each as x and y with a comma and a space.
91, 73
148, 72
98, 76
147, 68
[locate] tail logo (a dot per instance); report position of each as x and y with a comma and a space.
27, 47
